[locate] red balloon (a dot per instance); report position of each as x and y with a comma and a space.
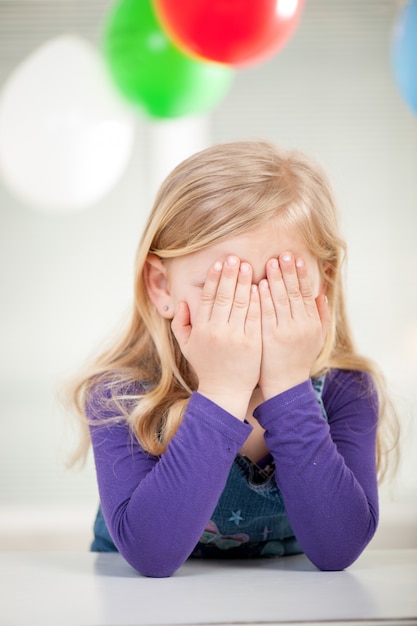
236, 32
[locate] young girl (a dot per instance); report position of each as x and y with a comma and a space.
234, 418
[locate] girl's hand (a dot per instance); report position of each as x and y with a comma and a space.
294, 325
223, 344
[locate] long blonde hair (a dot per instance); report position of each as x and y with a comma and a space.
221, 192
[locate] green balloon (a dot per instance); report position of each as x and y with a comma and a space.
151, 72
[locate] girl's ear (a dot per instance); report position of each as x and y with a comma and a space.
156, 282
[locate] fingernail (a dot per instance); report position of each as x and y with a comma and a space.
244, 267
217, 266
286, 256
274, 264
232, 261
299, 263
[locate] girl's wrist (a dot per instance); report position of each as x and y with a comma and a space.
234, 403
282, 384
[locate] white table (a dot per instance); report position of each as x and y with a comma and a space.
85, 589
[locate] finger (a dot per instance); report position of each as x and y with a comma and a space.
324, 312
242, 294
278, 291
225, 293
208, 295
253, 317
268, 308
290, 278
305, 288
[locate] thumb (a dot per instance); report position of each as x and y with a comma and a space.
324, 312
180, 325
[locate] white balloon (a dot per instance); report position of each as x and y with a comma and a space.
66, 135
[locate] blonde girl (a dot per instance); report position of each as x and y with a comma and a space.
234, 417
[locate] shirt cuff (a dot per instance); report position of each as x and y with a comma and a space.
219, 419
286, 402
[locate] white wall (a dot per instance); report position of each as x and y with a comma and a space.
66, 279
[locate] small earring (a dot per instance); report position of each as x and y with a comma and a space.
165, 307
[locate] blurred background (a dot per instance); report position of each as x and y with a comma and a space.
70, 219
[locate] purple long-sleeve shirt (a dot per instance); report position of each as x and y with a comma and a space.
156, 508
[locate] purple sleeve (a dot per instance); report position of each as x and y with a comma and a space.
157, 508
326, 471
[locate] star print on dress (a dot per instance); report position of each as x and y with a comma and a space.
265, 533
236, 517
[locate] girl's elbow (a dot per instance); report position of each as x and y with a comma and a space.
332, 564
156, 572
136, 551
343, 551
152, 565
151, 569
337, 560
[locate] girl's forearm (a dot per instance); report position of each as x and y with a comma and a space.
156, 510
329, 489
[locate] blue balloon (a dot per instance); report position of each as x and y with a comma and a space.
404, 53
